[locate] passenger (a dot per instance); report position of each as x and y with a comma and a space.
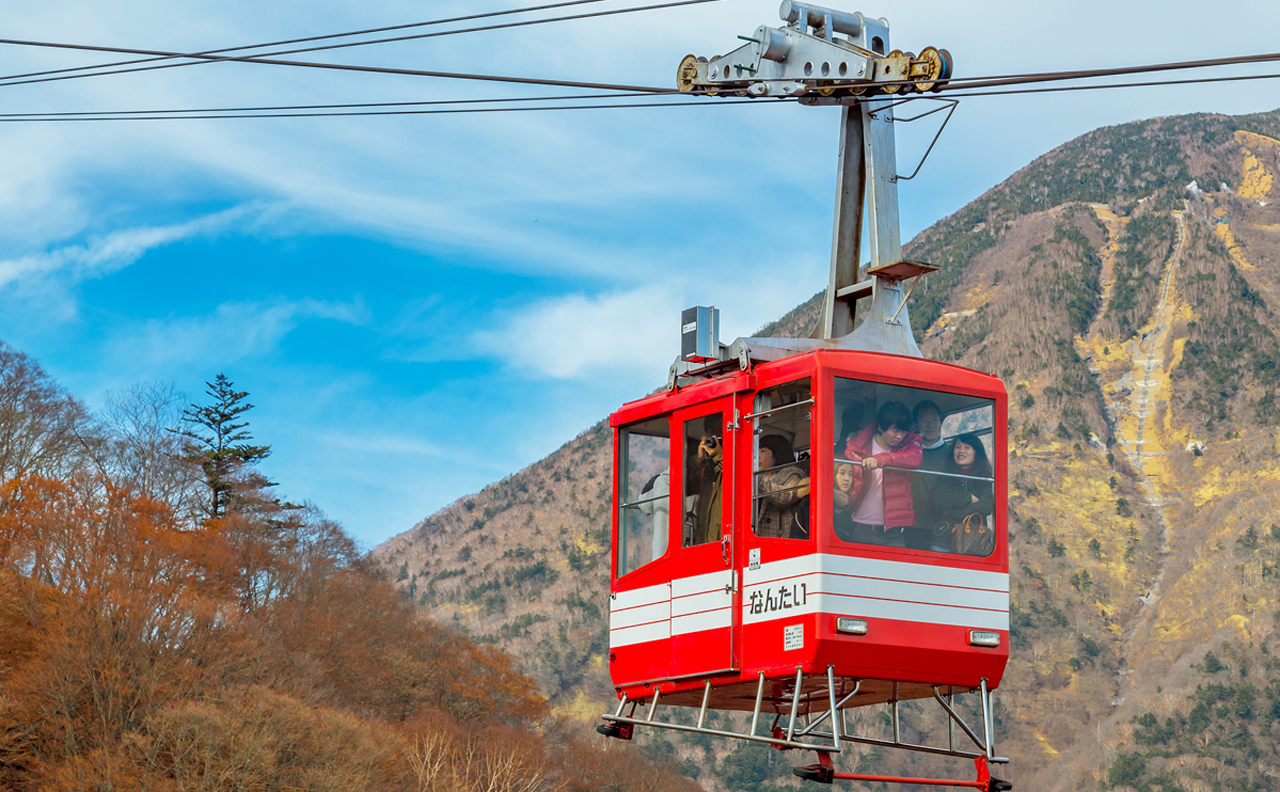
708, 474
840, 513
854, 415
958, 499
882, 505
782, 486
928, 422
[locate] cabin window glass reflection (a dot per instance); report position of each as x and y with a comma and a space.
782, 418
644, 478
939, 500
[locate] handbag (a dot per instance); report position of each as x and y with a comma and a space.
800, 519
972, 536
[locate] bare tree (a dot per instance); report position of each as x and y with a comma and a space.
43, 430
144, 451
434, 762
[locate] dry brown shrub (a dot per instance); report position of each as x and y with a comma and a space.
608, 764
267, 742
100, 770
350, 640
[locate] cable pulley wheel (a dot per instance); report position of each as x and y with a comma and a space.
937, 65
897, 67
687, 74
947, 63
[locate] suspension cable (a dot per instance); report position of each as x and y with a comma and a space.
192, 59
966, 94
955, 84
371, 108
344, 67
973, 87
973, 83
453, 111
341, 106
1115, 71
286, 42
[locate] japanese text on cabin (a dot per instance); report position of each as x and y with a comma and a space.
779, 599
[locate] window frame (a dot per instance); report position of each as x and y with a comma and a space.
623, 455
998, 519
757, 433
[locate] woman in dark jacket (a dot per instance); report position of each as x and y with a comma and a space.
956, 499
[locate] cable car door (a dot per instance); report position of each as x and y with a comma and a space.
703, 585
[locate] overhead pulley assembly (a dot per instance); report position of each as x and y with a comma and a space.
819, 50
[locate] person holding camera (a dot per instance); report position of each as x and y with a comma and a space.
708, 472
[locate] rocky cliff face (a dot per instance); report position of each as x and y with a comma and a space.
1123, 286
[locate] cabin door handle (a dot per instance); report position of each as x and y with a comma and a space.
724, 549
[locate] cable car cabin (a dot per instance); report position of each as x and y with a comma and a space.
751, 539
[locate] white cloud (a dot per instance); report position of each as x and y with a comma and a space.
636, 333
578, 335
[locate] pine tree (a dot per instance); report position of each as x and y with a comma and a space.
221, 445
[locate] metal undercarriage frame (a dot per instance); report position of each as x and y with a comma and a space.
810, 711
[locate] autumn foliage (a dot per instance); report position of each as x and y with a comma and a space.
257, 651
146, 644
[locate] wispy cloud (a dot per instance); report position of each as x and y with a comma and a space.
112, 252
384, 445
233, 332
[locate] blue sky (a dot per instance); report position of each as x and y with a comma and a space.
420, 305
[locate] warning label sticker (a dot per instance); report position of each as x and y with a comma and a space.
793, 637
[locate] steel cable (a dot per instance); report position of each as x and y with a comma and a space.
969, 83
340, 106
286, 42
1146, 84
192, 59
954, 84
621, 106
351, 67
1116, 71
366, 108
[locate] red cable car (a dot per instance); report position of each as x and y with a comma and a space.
803, 526
763, 586
751, 573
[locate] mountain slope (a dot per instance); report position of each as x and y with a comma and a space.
1132, 314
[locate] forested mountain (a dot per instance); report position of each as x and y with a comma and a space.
1124, 288
168, 622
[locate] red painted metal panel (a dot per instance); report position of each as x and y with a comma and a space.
702, 573
637, 663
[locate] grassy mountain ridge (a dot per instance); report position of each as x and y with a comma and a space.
1133, 320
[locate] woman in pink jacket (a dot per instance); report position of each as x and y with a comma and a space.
881, 499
